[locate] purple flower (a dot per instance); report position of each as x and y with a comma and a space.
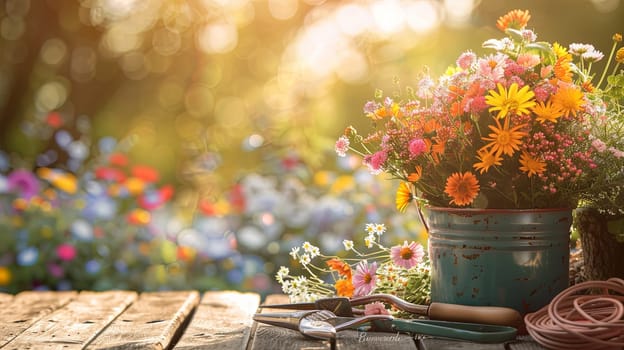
24, 182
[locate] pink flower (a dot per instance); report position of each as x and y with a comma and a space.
616, 152
55, 270
66, 252
375, 308
364, 278
528, 60
375, 161
407, 255
342, 146
466, 59
23, 182
599, 145
416, 147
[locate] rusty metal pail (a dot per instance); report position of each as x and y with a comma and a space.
500, 257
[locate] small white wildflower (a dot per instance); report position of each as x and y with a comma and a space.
315, 251
306, 246
304, 259
368, 241
294, 252
370, 229
579, 49
380, 229
281, 273
287, 287
348, 244
593, 56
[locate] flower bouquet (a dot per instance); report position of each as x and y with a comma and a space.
508, 129
496, 152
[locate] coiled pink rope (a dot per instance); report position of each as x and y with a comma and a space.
582, 321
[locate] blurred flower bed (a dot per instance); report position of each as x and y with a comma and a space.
85, 215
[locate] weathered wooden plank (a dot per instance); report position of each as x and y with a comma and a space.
27, 308
5, 297
223, 320
448, 344
152, 322
76, 324
374, 340
271, 337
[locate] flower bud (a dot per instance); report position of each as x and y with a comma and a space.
619, 55
617, 37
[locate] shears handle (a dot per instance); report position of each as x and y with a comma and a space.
475, 332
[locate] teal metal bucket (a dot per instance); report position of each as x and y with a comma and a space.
498, 257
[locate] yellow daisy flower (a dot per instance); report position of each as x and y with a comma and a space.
531, 165
404, 196
547, 112
510, 101
462, 188
503, 139
560, 51
569, 99
487, 159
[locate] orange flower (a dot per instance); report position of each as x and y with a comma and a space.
340, 266
503, 139
462, 188
515, 19
416, 175
563, 69
531, 165
139, 217
383, 112
487, 159
547, 112
569, 99
344, 288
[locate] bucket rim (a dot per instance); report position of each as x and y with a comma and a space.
496, 210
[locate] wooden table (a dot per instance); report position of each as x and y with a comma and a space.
177, 320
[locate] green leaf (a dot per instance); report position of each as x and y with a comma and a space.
514, 34
544, 50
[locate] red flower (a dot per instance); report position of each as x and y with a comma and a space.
54, 120
110, 174
118, 159
145, 173
156, 198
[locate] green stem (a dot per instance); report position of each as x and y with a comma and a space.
604, 72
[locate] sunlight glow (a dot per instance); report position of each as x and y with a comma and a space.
283, 9
423, 16
389, 16
218, 38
